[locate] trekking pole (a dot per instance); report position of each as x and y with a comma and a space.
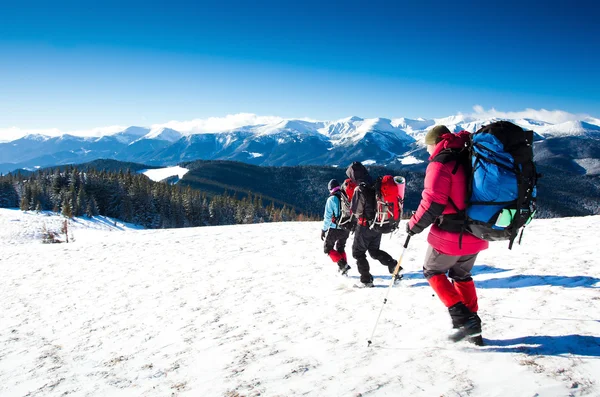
396, 270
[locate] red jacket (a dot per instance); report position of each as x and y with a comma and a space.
441, 186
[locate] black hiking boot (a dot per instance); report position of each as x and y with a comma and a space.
476, 340
456, 323
391, 269
343, 267
344, 270
466, 323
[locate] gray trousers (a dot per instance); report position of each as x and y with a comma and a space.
458, 267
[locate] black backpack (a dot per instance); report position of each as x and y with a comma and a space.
358, 174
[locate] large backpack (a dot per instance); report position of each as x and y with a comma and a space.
383, 199
345, 220
501, 183
389, 198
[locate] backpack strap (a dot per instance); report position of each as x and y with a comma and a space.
336, 218
459, 221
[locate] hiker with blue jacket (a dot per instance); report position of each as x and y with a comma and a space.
333, 235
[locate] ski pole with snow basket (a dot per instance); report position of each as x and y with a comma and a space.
396, 270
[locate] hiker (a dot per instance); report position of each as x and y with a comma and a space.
365, 238
449, 252
334, 236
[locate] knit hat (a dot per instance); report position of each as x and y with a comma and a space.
434, 135
332, 185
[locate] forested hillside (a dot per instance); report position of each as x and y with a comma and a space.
133, 198
225, 192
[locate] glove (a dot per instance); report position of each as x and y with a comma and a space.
408, 231
323, 235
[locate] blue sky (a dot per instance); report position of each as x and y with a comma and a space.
78, 64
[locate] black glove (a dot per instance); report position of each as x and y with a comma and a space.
323, 235
408, 231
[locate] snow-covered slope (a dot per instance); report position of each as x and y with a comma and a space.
29, 227
159, 174
570, 128
259, 310
352, 129
163, 134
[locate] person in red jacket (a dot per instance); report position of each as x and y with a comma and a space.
450, 251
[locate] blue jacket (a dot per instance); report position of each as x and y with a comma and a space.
332, 209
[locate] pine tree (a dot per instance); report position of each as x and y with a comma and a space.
66, 208
92, 208
25, 198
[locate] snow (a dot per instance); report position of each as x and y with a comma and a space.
26, 228
255, 155
591, 166
369, 162
410, 160
160, 174
352, 129
570, 128
345, 131
36, 137
410, 125
259, 310
295, 126
163, 134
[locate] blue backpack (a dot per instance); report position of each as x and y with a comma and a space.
502, 179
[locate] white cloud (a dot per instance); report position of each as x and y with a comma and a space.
196, 126
549, 116
12, 133
218, 124
100, 131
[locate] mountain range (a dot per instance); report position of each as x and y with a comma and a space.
573, 146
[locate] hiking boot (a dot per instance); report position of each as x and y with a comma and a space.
466, 323
456, 322
343, 270
476, 340
343, 267
392, 267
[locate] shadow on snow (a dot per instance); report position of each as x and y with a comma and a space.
519, 280
582, 345
529, 280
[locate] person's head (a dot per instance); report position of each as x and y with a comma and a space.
333, 186
359, 174
434, 136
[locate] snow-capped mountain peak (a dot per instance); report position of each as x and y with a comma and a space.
351, 119
163, 134
36, 137
272, 141
295, 126
570, 128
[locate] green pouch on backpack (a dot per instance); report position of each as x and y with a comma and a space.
507, 215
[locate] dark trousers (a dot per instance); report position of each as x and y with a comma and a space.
336, 239
367, 240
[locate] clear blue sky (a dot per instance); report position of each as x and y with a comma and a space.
82, 64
